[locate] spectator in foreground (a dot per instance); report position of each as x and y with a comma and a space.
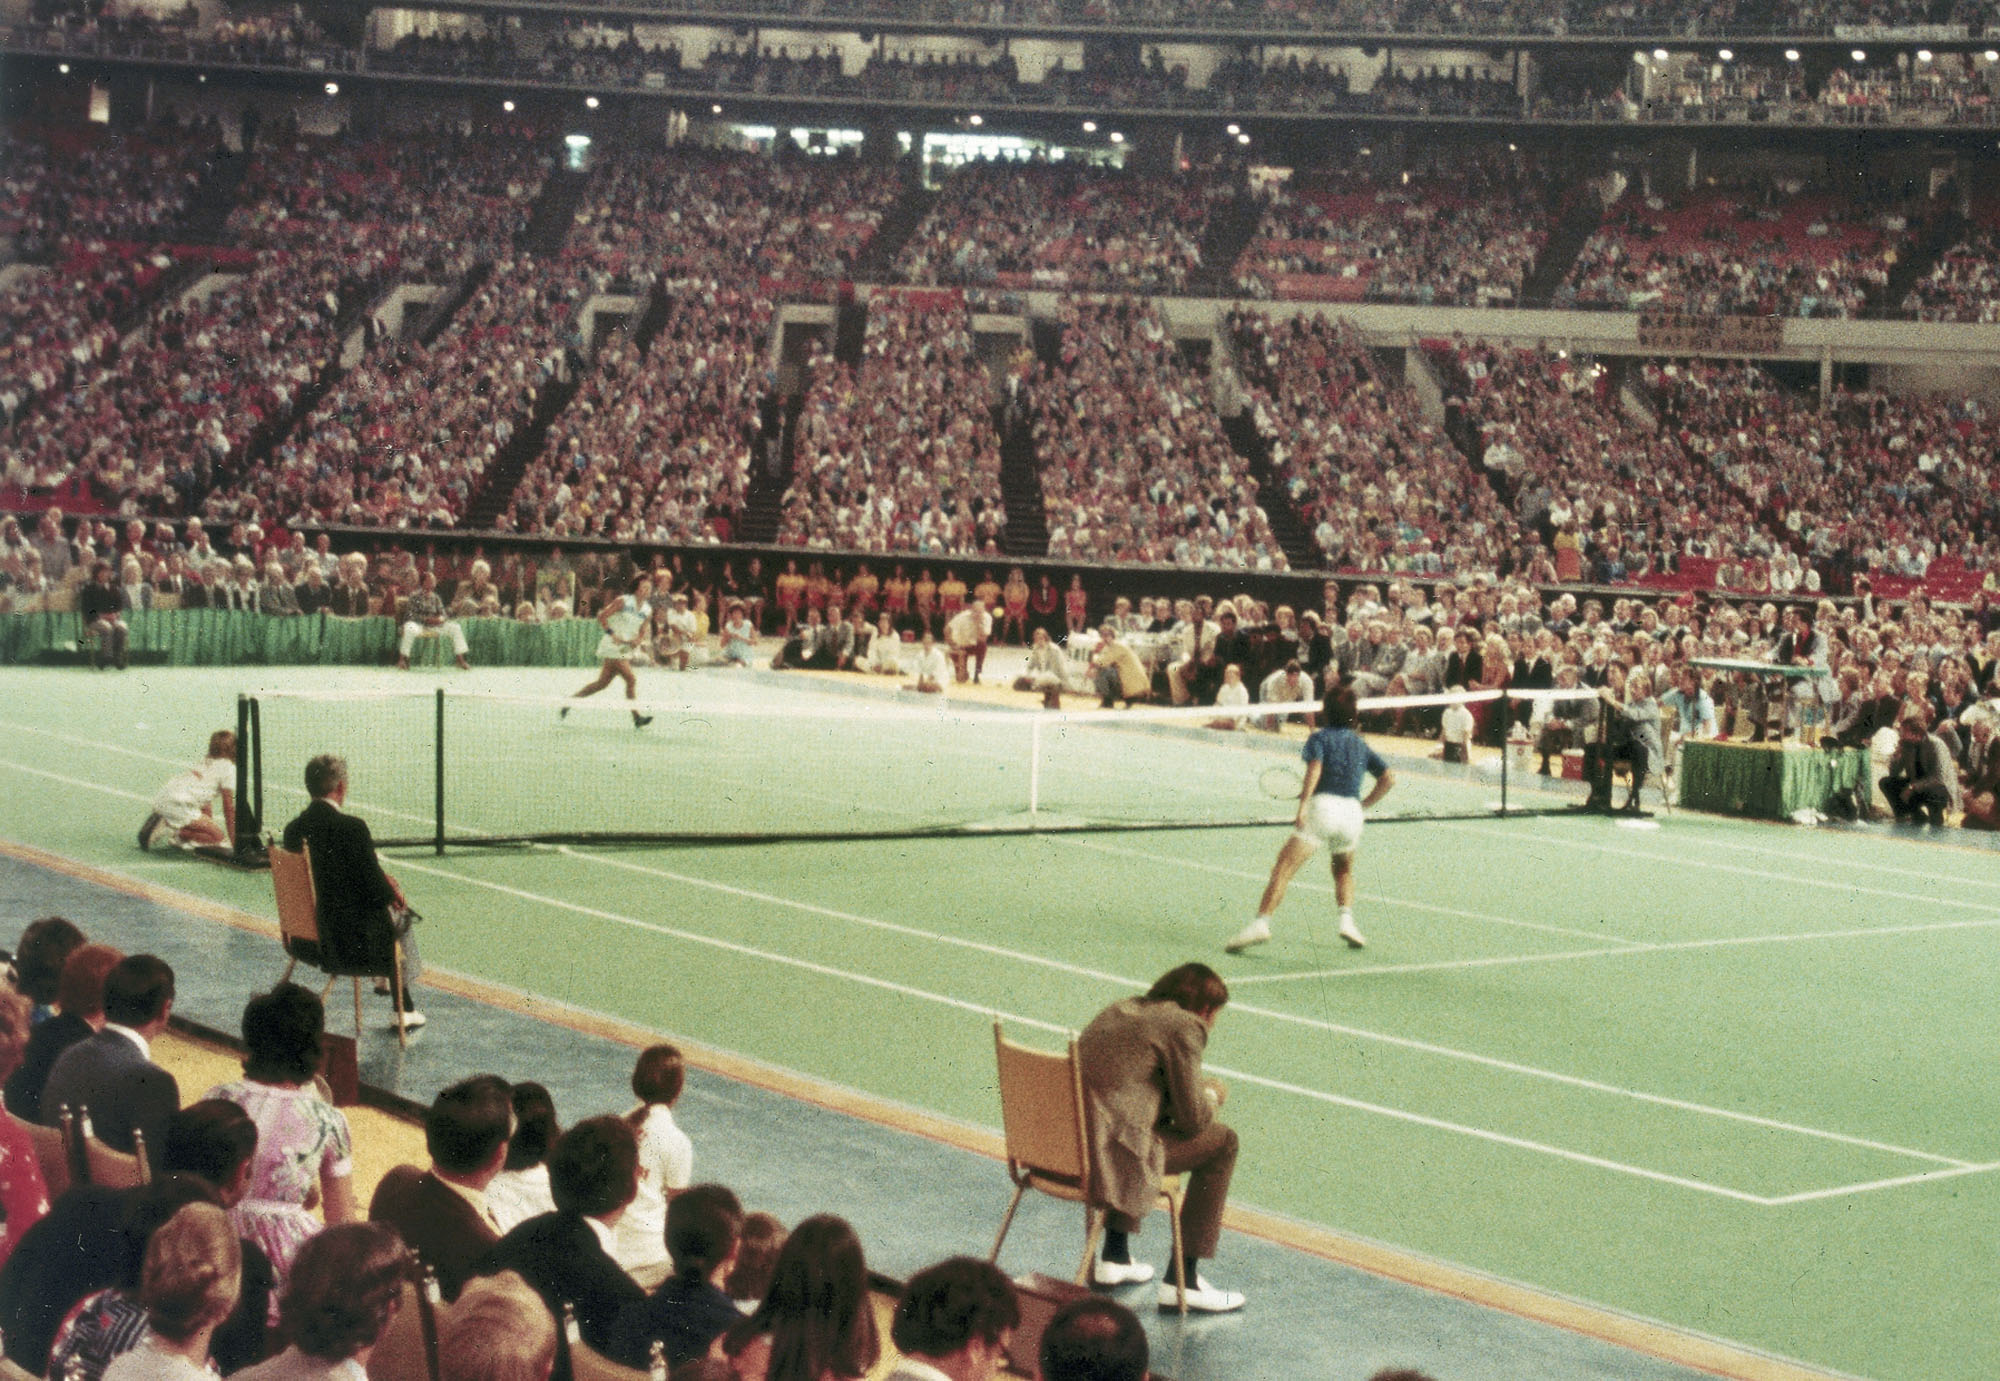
1094, 1339
24, 1198
690, 1310
666, 1163
815, 1321
79, 1015
189, 1286
44, 948
566, 1255
344, 1289
757, 1248
112, 1074
104, 606
521, 1190
304, 1149
442, 1212
499, 1330
955, 1320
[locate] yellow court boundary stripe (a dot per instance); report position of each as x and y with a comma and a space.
1654, 1339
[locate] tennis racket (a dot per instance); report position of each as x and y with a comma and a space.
1282, 782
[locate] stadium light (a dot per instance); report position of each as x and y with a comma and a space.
1090, 126
1727, 54
975, 120
1993, 54
507, 106
333, 88
202, 78
1236, 129
1859, 55
1659, 55
63, 68
1116, 137
1791, 55
1242, 138
1923, 55
715, 110
1513, 148
590, 102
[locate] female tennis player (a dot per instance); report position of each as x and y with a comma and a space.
1330, 812
624, 620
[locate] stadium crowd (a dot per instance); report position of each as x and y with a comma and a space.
899, 453
1134, 463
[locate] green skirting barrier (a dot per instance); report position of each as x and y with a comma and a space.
1764, 779
229, 637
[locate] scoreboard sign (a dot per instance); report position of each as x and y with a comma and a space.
1684, 333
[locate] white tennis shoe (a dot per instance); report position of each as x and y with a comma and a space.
1256, 933
1351, 935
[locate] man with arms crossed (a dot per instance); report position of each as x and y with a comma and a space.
1331, 812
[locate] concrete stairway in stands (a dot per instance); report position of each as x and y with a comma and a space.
770, 470
1027, 532
1231, 225
1560, 250
899, 222
555, 211
1300, 550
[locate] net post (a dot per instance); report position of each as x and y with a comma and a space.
249, 806
1034, 766
438, 769
1506, 744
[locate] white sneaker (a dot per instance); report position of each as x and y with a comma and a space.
1202, 1298
1351, 935
1256, 933
1120, 1272
411, 1021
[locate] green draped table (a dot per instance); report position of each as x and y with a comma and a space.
1765, 779
230, 637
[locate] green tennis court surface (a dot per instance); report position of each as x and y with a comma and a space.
1729, 1076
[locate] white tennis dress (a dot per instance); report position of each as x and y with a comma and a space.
627, 622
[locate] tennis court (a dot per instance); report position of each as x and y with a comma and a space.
1727, 1076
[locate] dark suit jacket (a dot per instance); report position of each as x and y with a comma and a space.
435, 1222
686, 1316
50, 1039
354, 896
124, 1091
559, 1255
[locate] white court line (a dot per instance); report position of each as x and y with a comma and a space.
1501, 1138
869, 980
1841, 1191
1662, 947
1929, 876
1713, 866
1200, 866
1335, 1028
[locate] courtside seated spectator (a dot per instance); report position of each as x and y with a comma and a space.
442, 1212
816, 1318
111, 1075
344, 1289
521, 1191
690, 1309
44, 947
757, 1248
1094, 1339
497, 1330
79, 1000
954, 1320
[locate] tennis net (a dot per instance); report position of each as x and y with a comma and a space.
750, 763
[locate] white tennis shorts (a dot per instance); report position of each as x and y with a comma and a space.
1332, 821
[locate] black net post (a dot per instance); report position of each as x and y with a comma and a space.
438, 771
249, 802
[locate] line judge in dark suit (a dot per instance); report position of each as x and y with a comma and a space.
362, 912
111, 1074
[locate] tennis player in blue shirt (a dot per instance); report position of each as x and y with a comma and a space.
1331, 811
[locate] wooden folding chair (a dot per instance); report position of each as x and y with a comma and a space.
1048, 1146
117, 1169
52, 1156
298, 931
